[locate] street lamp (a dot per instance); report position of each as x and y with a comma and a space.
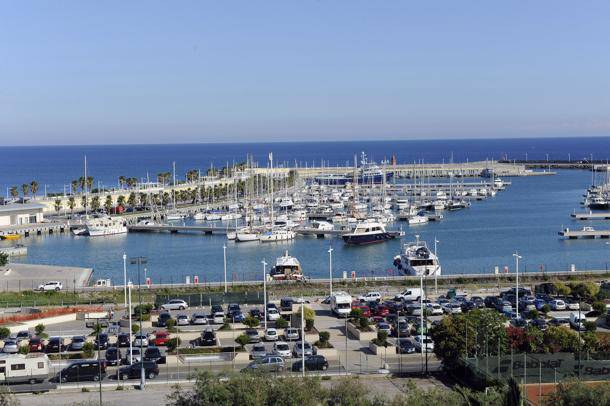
265, 290
517, 258
125, 277
436, 269
330, 268
224, 252
140, 261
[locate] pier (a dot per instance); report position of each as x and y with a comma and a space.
587, 232
158, 228
591, 216
36, 228
18, 277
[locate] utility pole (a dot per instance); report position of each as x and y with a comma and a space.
140, 261
224, 251
265, 290
330, 268
517, 258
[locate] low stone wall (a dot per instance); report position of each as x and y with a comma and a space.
361, 335
381, 350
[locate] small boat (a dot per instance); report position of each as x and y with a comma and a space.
286, 268
246, 234
416, 259
276, 234
199, 216
322, 225
79, 231
368, 232
417, 219
106, 225
11, 237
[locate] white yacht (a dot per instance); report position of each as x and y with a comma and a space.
368, 232
417, 219
322, 225
287, 268
199, 216
106, 225
277, 234
246, 234
416, 259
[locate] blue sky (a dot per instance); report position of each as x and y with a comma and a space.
75, 72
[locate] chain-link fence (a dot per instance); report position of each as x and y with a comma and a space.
208, 299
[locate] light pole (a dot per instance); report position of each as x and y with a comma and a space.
436, 269
302, 336
224, 252
517, 258
130, 327
421, 323
140, 261
265, 290
125, 276
330, 268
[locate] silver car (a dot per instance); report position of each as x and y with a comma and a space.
297, 350
10, 347
258, 351
175, 304
199, 319
291, 334
182, 320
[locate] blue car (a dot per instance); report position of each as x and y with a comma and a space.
539, 303
238, 316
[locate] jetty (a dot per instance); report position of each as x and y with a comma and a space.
18, 277
591, 216
586, 232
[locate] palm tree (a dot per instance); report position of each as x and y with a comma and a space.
108, 203
84, 201
89, 182
95, 203
131, 182
34, 187
74, 185
122, 180
121, 201
71, 204
25, 188
57, 205
143, 199
14, 192
165, 198
81, 183
131, 200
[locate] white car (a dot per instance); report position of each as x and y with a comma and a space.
435, 309
273, 314
370, 297
427, 341
282, 349
557, 304
140, 339
452, 308
51, 286
218, 318
182, 320
271, 334
199, 318
175, 304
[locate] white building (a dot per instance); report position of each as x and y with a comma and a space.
19, 214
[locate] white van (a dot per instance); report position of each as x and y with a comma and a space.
577, 321
341, 304
410, 294
20, 368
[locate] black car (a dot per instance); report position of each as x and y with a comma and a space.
55, 345
468, 306
113, 356
286, 304
83, 371
253, 335
123, 340
151, 370
101, 341
163, 318
233, 307
207, 338
217, 309
312, 363
256, 313
491, 301
405, 346
155, 355
540, 323
401, 329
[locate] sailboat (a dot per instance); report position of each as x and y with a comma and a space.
275, 233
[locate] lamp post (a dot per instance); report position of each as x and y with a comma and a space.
436, 269
330, 269
224, 252
517, 258
421, 328
265, 290
125, 277
302, 336
130, 327
140, 261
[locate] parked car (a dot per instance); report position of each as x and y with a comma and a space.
557, 304
286, 304
572, 304
36, 345
272, 363
163, 318
237, 316
182, 320
256, 313
401, 329
577, 321
208, 338
541, 324
123, 339
161, 338
366, 311
258, 351
77, 343
370, 297
291, 334
312, 363
383, 326
22, 335
151, 370
113, 356
539, 303
233, 307
54, 345
452, 308
140, 340
282, 349
78, 371
218, 317
426, 341
175, 304
435, 309
382, 311
405, 346
10, 347
101, 341
134, 354
253, 336
560, 321
217, 308
271, 334
199, 319
155, 355
273, 314
297, 350
52, 286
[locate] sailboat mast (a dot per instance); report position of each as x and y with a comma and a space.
271, 187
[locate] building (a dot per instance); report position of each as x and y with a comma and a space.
20, 214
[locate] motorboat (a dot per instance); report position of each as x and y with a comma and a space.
246, 234
105, 225
199, 216
417, 219
174, 216
287, 268
277, 234
417, 259
368, 232
321, 225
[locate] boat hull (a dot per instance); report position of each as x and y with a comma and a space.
368, 238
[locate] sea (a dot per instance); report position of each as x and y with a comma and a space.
525, 218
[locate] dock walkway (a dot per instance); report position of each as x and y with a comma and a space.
587, 232
591, 216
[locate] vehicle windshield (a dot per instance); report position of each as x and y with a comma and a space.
282, 347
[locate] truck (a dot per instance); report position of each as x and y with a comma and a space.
19, 368
341, 304
409, 295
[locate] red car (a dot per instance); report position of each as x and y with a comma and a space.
36, 345
382, 311
161, 338
366, 311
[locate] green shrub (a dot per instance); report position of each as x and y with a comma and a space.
356, 313
4, 333
146, 309
281, 323
590, 326
173, 343
599, 307
533, 314
546, 309
324, 336
363, 323
135, 328
308, 324
24, 349
39, 329
88, 350
242, 340
171, 325
252, 322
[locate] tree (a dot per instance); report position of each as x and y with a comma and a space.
88, 349
577, 393
74, 186
131, 200
3, 259
173, 343
122, 180
95, 203
559, 339
14, 192
39, 329
4, 333
584, 290
121, 201
281, 323
242, 340
34, 188
84, 202
57, 204
25, 189
251, 321
108, 203
562, 289
71, 204
599, 308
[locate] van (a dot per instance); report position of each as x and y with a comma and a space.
577, 321
19, 368
410, 294
83, 371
